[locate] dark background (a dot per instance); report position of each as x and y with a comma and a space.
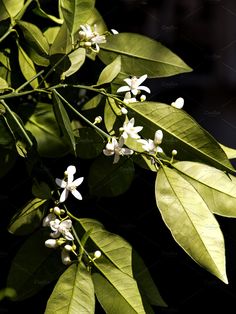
203, 34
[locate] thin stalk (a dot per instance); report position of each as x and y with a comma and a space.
29, 81
80, 115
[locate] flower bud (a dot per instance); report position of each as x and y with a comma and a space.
143, 97
68, 247
51, 243
158, 137
97, 120
97, 254
174, 152
57, 210
124, 110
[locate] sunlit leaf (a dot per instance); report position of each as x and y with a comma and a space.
76, 58
141, 55
73, 293
109, 72
190, 221
27, 67
28, 218
113, 118
180, 132
123, 289
229, 151
3, 85
217, 188
62, 42
51, 33
13, 7
76, 12
40, 12
92, 103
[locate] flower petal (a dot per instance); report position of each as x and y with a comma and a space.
141, 79
76, 194
123, 89
63, 196
78, 181
145, 88
61, 183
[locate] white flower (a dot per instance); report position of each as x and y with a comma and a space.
117, 149
178, 103
69, 185
61, 227
50, 217
152, 146
128, 98
129, 129
114, 31
65, 257
134, 85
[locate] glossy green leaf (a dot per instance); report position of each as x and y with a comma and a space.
40, 12
217, 188
3, 85
27, 67
34, 266
108, 179
93, 102
34, 38
64, 122
190, 221
76, 58
76, 12
89, 143
111, 245
123, 289
180, 132
62, 43
111, 114
109, 73
28, 218
13, 7
141, 55
51, 33
229, 151
43, 125
73, 293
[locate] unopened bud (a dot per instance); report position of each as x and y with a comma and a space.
174, 152
97, 120
97, 254
143, 97
56, 210
68, 247
124, 110
51, 243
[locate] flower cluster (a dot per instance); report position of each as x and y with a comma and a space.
90, 39
61, 235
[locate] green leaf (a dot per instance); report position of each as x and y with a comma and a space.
120, 288
141, 55
28, 218
89, 143
217, 188
111, 113
93, 102
76, 12
64, 122
191, 223
110, 72
51, 33
76, 58
62, 43
34, 38
13, 7
73, 293
27, 67
111, 245
40, 12
108, 179
180, 132
43, 125
230, 152
34, 266
3, 85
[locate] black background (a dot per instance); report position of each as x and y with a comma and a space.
203, 34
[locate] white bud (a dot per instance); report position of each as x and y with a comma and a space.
179, 103
68, 247
97, 254
158, 137
51, 243
57, 210
124, 110
143, 97
65, 257
174, 152
114, 31
98, 119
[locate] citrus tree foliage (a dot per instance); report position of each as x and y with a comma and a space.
51, 107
